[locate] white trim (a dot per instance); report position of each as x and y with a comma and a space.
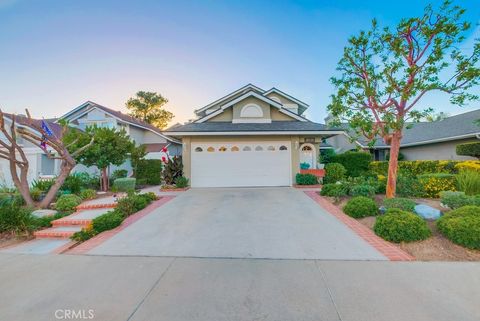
281, 93
251, 111
228, 96
232, 133
247, 95
251, 120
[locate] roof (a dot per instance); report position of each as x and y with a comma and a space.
154, 147
274, 126
23, 120
124, 117
451, 128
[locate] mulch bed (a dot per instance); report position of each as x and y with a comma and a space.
435, 248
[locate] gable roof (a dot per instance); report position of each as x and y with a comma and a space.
120, 116
452, 128
245, 96
302, 106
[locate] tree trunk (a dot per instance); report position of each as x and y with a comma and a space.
20, 184
52, 192
104, 179
393, 164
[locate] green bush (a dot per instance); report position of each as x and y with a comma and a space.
334, 190
468, 181
334, 172
462, 226
149, 171
181, 182
151, 196
43, 184
306, 179
414, 168
469, 149
356, 163
363, 190
326, 155
36, 193
124, 184
88, 194
401, 226
455, 200
74, 183
360, 206
173, 169
433, 184
107, 221
133, 203
404, 204
15, 218
68, 202
83, 235
408, 186
119, 173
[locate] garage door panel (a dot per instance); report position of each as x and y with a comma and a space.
241, 168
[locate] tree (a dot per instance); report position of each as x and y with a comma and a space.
436, 117
469, 149
148, 106
385, 73
39, 133
110, 147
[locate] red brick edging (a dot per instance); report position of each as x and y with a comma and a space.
307, 186
389, 250
102, 237
174, 189
95, 206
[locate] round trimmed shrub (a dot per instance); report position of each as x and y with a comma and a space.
334, 172
334, 190
88, 194
404, 204
401, 226
462, 226
68, 202
363, 190
360, 206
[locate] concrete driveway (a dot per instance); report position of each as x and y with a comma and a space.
275, 223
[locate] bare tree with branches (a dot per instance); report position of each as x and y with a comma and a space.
38, 133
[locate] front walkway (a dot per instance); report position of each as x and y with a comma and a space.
273, 223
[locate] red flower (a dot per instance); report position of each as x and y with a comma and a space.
164, 159
164, 149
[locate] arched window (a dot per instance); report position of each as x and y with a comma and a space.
210, 149
306, 148
251, 111
275, 99
247, 149
271, 148
222, 149
234, 149
199, 149
283, 147
258, 148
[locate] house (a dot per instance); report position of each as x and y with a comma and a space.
250, 137
90, 113
39, 164
421, 141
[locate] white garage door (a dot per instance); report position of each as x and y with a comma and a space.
241, 164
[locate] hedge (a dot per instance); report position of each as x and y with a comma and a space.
306, 179
469, 149
418, 167
356, 163
149, 171
433, 184
334, 172
124, 184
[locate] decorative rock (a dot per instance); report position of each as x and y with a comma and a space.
43, 213
427, 212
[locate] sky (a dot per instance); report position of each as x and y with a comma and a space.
55, 55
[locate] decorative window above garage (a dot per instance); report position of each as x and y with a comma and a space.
251, 111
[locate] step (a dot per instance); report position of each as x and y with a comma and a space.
62, 232
83, 217
82, 207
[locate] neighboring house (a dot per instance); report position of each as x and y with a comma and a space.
250, 137
423, 141
90, 113
39, 164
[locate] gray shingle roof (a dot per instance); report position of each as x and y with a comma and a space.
423, 132
246, 127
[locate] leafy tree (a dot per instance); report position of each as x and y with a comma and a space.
148, 106
110, 147
385, 72
437, 117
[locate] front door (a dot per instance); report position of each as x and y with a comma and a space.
307, 155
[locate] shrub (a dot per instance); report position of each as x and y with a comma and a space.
173, 169
36, 193
334, 172
306, 179
15, 218
462, 226
83, 235
401, 226
88, 194
404, 204
181, 182
469, 149
415, 168
363, 190
149, 171
326, 155
43, 184
151, 196
409, 186
433, 184
455, 200
360, 206
107, 221
68, 202
133, 203
468, 165
74, 183
124, 184
119, 173
356, 163
468, 181
334, 190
